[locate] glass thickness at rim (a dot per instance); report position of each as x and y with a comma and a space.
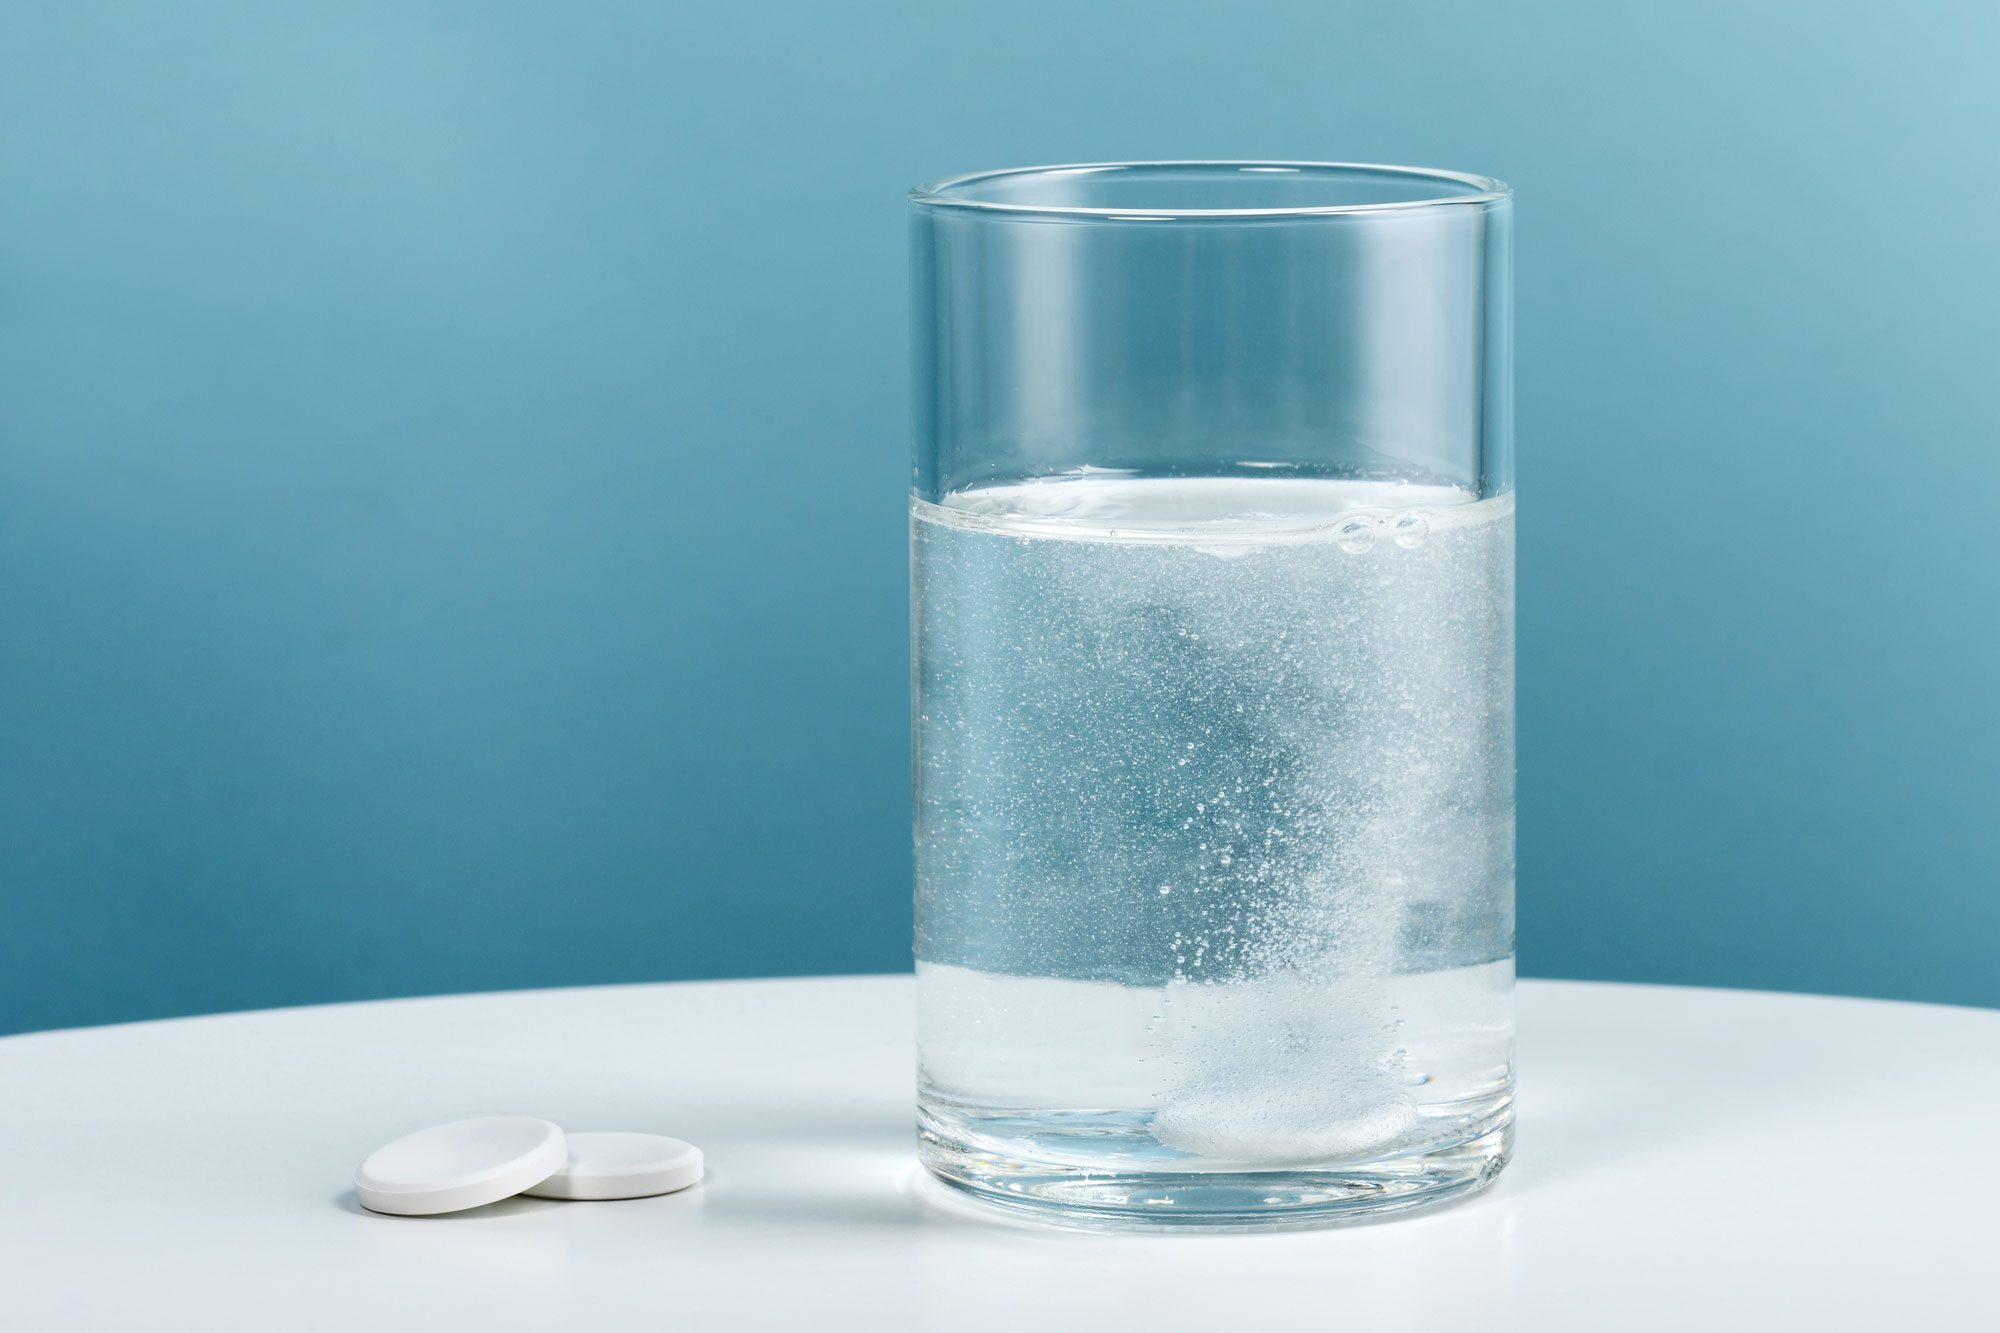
1009, 191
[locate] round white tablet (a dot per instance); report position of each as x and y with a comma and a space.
622, 1166
459, 1165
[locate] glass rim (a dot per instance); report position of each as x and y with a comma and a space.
1477, 190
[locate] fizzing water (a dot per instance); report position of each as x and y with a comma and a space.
1214, 827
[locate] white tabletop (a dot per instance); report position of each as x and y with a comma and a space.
1687, 1158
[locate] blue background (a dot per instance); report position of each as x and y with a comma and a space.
452, 463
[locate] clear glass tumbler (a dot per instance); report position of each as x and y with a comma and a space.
1212, 537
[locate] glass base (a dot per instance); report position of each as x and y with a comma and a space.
1120, 1189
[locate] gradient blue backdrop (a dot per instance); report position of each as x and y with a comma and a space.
452, 463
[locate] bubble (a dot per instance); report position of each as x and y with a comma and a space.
1356, 535
1410, 530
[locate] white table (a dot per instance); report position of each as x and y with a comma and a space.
1687, 1159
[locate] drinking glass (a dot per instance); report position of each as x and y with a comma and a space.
1212, 533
